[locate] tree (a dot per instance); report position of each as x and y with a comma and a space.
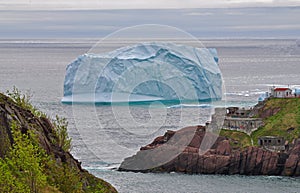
8, 182
61, 132
25, 160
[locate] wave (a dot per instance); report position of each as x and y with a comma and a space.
113, 166
191, 106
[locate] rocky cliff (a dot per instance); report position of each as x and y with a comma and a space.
195, 151
44, 130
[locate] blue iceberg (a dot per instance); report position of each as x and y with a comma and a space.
144, 72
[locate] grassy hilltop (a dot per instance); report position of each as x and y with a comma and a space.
281, 117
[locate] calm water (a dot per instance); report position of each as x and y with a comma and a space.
104, 135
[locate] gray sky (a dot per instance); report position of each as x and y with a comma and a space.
139, 4
264, 22
205, 18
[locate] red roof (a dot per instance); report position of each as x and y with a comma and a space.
281, 89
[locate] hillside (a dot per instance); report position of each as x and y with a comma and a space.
34, 152
281, 117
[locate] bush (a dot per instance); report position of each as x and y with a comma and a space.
65, 178
23, 164
9, 182
23, 100
61, 132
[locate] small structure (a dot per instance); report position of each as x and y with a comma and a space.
239, 119
246, 125
238, 112
264, 96
281, 92
272, 143
261, 98
231, 110
297, 92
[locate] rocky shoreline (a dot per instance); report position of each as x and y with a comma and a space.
220, 158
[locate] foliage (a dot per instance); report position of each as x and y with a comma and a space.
65, 178
61, 132
27, 168
10, 183
97, 185
18, 97
24, 163
23, 100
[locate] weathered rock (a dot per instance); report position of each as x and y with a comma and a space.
223, 148
263, 111
219, 158
268, 112
292, 164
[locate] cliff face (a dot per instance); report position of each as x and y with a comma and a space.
44, 130
220, 158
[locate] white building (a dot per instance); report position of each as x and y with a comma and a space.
281, 92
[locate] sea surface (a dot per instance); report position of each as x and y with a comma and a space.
104, 135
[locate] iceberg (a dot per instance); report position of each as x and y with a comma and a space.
144, 72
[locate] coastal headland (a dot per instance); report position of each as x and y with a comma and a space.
271, 149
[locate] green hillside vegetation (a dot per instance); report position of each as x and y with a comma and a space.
26, 167
285, 123
237, 139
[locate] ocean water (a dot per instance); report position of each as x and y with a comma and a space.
104, 135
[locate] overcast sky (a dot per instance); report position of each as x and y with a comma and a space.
265, 22
139, 4
262, 18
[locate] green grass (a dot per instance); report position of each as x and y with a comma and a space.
237, 139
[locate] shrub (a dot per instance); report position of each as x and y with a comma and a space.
61, 132
23, 100
22, 169
9, 182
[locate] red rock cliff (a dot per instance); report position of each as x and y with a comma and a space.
193, 150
